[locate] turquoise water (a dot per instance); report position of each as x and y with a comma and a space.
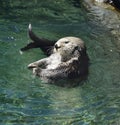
24, 99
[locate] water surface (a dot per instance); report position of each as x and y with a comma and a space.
24, 99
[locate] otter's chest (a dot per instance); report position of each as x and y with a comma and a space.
54, 61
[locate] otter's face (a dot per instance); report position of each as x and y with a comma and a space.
67, 46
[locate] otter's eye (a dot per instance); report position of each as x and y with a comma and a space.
66, 42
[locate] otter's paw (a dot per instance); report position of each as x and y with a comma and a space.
36, 71
73, 60
32, 65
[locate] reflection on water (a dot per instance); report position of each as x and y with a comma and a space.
26, 100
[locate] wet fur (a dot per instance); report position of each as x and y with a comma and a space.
68, 59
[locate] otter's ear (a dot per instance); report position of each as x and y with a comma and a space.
79, 50
76, 51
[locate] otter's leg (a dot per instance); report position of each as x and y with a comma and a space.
37, 42
39, 63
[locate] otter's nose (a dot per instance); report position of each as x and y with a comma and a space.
57, 46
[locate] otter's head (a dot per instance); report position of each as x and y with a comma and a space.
69, 47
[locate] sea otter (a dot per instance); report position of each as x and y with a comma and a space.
68, 59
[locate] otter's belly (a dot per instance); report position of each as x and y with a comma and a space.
54, 60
